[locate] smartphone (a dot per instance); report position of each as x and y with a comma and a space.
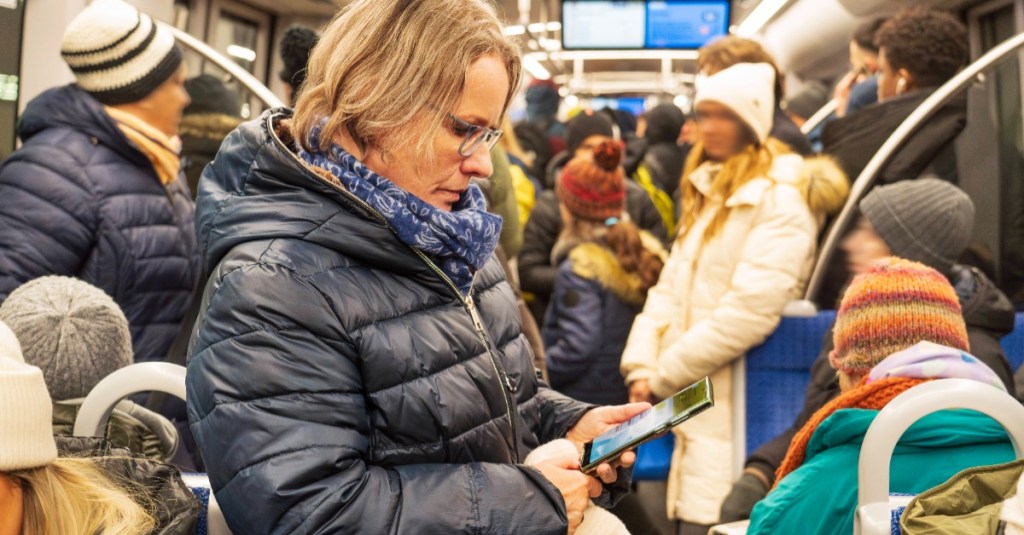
671, 412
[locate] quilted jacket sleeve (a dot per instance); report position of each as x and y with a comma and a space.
47, 216
277, 404
763, 281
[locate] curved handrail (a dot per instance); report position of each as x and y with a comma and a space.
873, 512
819, 116
248, 80
142, 377
924, 111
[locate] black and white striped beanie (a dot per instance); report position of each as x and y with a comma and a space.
117, 54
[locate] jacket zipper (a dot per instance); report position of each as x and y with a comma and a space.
504, 384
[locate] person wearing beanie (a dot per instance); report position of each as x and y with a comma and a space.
296, 44
208, 119
899, 325
926, 220
730, 50
77, 335
537, 272
96, 191
751, 213
605, 268
40, 493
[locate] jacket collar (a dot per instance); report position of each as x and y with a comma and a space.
259, 189
785, 169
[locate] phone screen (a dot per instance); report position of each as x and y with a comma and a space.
648, 424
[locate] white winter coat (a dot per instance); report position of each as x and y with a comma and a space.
713, 302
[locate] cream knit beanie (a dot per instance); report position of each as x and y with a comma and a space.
117, 54
748, 89
26, 412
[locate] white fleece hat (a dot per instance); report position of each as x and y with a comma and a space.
748, 89
26, 412
117, 54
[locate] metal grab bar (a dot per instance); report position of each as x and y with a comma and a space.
867, 177
248, 80
819, 116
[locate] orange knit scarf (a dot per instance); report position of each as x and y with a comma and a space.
864, 396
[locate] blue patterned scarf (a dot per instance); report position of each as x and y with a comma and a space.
460, 241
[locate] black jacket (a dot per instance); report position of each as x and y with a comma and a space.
537, 271
785, 130
80, 200
989, 317
338, 383
853, 140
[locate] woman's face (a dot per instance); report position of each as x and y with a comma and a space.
442, 184
11, 504
721, 131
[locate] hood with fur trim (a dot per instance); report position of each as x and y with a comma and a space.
824, 185
595, 262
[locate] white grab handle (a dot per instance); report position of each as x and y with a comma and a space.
142, 377
873, 512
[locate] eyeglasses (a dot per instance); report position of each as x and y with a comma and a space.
473, 136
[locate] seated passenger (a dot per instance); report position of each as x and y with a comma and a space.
899, 325
928, 221
358, 365
40, 493
96, 190
602, 283
537, 269
77, 335
859, 88
730, 50
918, 50
751, 211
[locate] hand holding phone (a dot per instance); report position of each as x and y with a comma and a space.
648, 424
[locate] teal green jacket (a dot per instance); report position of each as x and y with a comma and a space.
821, 496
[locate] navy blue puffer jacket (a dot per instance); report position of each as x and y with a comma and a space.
78, 199
338, 384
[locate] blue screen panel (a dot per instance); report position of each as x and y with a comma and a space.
684, 24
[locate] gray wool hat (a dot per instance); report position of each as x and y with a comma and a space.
927, 220
71, 330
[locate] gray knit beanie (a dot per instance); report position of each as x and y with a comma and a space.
927, 220
71, 330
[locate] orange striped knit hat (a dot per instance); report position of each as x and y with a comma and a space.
892, 307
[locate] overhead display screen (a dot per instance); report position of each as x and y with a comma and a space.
642, 24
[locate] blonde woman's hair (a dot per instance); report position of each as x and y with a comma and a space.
72, 496
387, 71
754, 161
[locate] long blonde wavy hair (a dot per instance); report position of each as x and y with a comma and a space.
387, 71
75, 496
754, 161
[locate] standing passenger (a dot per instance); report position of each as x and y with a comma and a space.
745, 248
602, 283
359, 365
96, 190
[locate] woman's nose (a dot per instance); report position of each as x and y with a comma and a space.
478, 164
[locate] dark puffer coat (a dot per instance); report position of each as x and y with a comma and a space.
338, 383
78, 199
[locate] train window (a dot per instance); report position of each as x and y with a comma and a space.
12, 14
